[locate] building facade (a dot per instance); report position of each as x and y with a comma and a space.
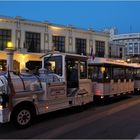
116, 50
131, 42
34, 38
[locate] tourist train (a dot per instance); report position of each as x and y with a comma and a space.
63, 81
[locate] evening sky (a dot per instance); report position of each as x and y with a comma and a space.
124, 15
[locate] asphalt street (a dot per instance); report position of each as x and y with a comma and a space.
116, 119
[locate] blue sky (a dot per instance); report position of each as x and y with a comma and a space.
125, 15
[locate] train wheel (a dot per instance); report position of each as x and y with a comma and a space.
23, 117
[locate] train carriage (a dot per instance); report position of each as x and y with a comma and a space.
110, 77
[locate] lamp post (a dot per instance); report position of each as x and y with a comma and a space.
10, 52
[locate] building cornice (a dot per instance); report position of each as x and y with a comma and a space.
126, 36
24, 21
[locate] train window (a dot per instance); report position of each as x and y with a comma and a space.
83, 69
99, 73
129, 73
107, 74
54, 64
118, 73
104, 74
34, 66
93, 73
136, 73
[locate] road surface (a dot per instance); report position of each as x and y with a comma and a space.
117, 119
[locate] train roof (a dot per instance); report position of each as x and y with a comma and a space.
67, 55
134, 65
107, 61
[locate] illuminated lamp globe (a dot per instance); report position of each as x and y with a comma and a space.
9, 45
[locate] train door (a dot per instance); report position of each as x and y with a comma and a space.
54, 71
72, 75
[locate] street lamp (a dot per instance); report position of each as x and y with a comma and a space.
10, 52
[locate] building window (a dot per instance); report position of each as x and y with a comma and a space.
120, 55
125, 50
130, 48
80, 45
5, 36
109, 51
58, 43
139, 47
136, 48
100, 48
32, 42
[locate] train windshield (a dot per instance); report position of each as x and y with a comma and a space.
53, 64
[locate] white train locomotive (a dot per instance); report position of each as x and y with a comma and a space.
62, 83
